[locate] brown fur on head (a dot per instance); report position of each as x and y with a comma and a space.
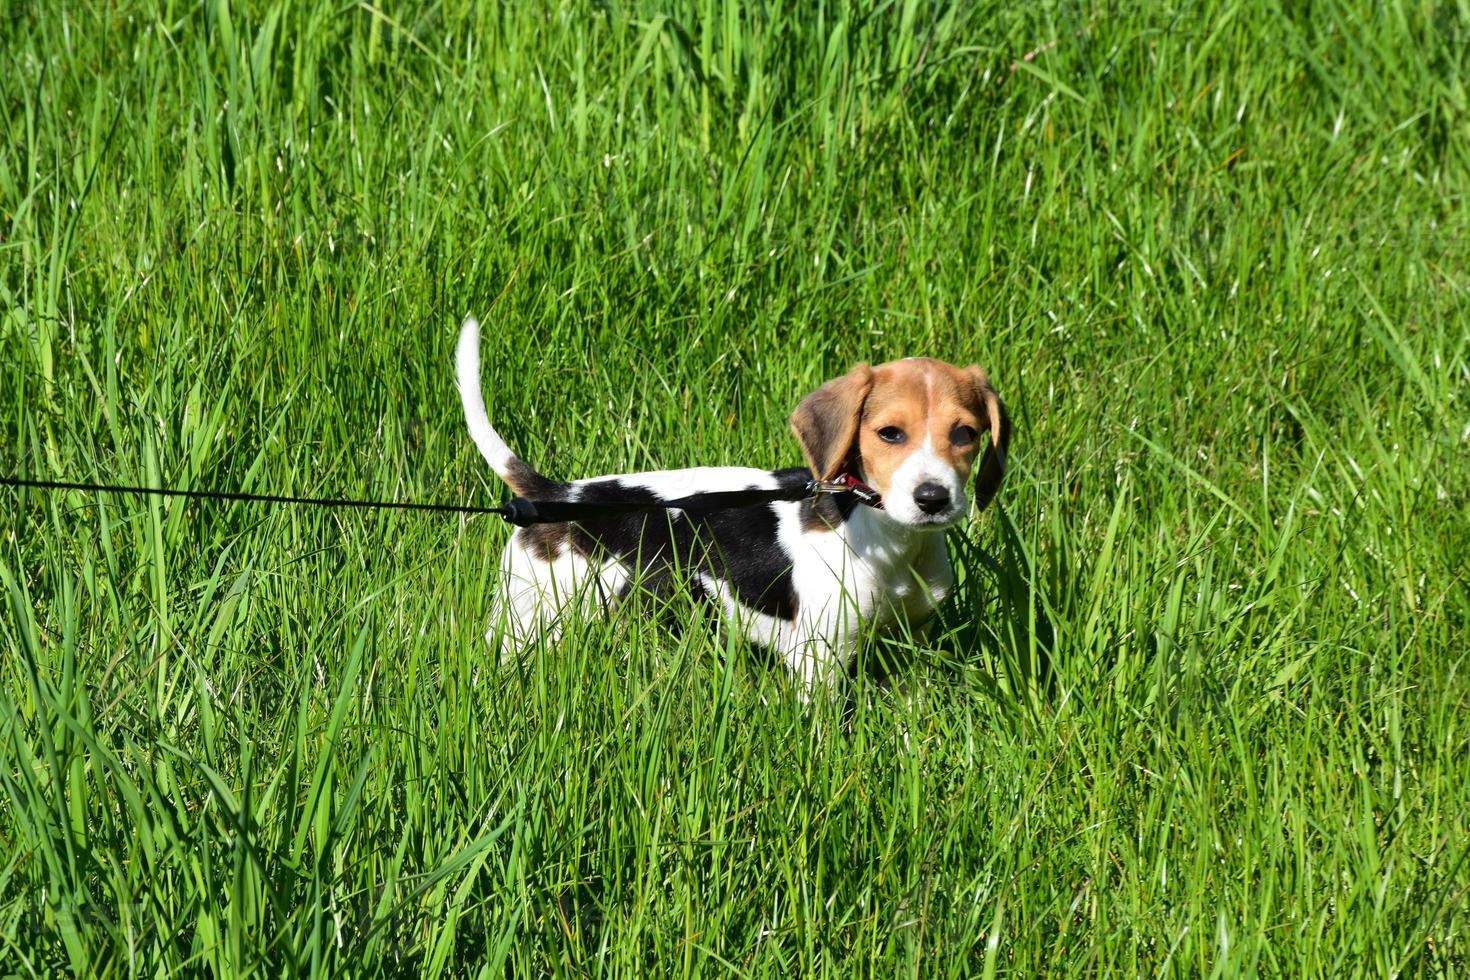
907, 424
826, 421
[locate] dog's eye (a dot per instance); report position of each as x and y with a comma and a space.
962, 435
892, 434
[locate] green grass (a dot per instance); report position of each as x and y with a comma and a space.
1198, 709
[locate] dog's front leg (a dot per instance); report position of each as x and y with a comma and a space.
817, 658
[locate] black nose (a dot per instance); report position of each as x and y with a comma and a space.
931, 497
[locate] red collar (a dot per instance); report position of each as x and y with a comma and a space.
845, 481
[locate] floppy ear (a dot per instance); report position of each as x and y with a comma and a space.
826, 421
992, 468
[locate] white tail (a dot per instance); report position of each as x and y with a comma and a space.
467, 368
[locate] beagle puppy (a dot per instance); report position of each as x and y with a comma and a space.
807, 579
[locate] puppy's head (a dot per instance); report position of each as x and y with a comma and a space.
911, 429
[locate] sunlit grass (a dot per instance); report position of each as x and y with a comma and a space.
1197, 709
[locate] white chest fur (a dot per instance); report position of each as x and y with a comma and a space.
864, 576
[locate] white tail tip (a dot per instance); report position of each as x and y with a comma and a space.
467, 371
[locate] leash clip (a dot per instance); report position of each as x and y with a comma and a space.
847, 483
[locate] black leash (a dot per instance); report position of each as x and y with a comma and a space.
255, 498
518, 510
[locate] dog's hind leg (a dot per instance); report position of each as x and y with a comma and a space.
540, 586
